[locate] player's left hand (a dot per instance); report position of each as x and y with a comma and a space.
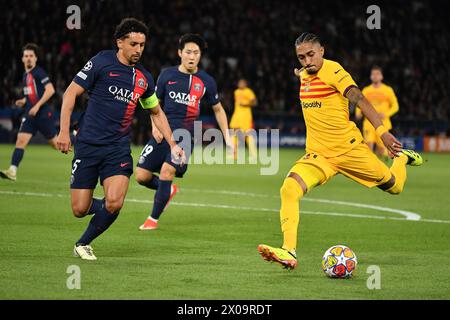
178, 155
33, 111
392, 144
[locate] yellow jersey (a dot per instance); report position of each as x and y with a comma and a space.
242, 117
384, 101
329, 131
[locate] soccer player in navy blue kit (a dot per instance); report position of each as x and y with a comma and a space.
116, 83
38, 114
182, 90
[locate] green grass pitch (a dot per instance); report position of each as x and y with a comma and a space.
206, 246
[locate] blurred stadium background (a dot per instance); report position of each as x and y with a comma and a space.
251, 39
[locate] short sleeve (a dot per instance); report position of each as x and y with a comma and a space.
42, 77
86, 77
211, 94
341, 79
161, 86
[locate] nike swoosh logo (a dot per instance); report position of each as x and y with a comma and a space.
124, 164
337, 71
114, 74
171, 82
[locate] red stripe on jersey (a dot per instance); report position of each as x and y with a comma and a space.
140, 84
318, 89
32, 92
196, 90
303, 96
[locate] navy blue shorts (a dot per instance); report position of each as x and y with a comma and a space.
43, 122
91, 162
155, 154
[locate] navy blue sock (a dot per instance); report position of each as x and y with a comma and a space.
98, 224
96, 206
17, 156
153, 183
161, 197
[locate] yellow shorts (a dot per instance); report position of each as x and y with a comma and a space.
243, 123
359, 164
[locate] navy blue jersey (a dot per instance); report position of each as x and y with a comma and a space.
114, 91
34, 83
181, 95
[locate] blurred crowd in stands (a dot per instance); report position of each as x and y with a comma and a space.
253, 39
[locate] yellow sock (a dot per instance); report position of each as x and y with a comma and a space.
398, 169
251, 146
290, 192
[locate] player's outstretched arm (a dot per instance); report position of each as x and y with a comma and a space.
70, 96
160, 121
222, 121
355, 96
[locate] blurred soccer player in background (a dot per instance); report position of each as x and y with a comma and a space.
242, 118
38, 116
334, 144
383, 99
182, 90
116, 83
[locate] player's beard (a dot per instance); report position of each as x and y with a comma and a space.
134, 59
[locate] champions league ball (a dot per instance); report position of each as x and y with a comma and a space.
339, 262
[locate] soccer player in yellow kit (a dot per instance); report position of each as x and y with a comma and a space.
242, 118
383, 99
333, 143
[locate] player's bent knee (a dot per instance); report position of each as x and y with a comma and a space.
395, 190
114, 204
142, 177
79, 210
167, 173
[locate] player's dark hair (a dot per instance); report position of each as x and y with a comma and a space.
31, 46
376, 67
128, 25
192, 37
307, 37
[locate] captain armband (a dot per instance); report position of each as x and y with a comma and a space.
150, 102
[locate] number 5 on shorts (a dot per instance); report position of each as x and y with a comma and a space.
75, 165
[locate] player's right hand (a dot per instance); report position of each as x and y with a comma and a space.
297, 72
178, 155
157, 135
63, 143
392, 144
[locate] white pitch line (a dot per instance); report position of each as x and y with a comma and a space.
221, 206
407, 214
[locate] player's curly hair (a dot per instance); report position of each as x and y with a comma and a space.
31, 46
307, 37
192, 37
128, 25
